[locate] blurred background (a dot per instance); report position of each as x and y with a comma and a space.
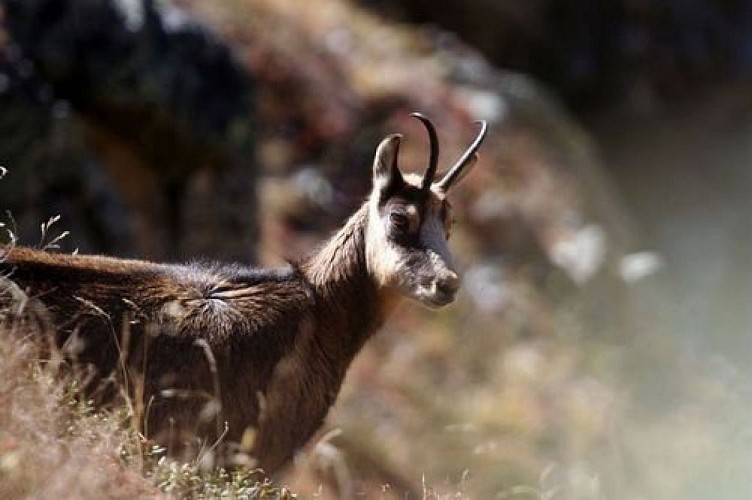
600, 345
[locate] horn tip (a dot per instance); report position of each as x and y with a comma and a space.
423, 118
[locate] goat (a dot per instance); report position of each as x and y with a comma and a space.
253, 356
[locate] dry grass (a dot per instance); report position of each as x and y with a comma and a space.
54, 445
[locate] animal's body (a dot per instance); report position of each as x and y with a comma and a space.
235, 352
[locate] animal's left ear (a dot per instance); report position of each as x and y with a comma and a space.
387, 178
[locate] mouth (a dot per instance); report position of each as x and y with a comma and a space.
434, 299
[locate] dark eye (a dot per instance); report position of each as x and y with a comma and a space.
399, 221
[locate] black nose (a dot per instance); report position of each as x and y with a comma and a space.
448, 284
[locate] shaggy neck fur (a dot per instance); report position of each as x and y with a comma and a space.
341, 261
346, 293
346, 310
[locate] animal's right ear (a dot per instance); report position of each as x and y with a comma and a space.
387, 178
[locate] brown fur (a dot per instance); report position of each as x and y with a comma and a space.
281, 340
227, 351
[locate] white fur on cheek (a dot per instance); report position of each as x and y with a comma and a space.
384, 261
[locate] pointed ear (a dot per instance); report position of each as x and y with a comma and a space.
387, 178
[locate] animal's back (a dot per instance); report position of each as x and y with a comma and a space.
197, 300
193, 344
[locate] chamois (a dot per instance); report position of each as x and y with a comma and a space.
249, 356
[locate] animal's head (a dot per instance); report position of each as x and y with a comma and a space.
410, 220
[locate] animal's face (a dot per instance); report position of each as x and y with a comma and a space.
407, 245
409, 224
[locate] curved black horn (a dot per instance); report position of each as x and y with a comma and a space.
433, 159
465, 159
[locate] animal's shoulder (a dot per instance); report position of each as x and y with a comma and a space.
224, 298
231, 281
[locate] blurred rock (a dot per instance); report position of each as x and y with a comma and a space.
156, 100
593, 53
